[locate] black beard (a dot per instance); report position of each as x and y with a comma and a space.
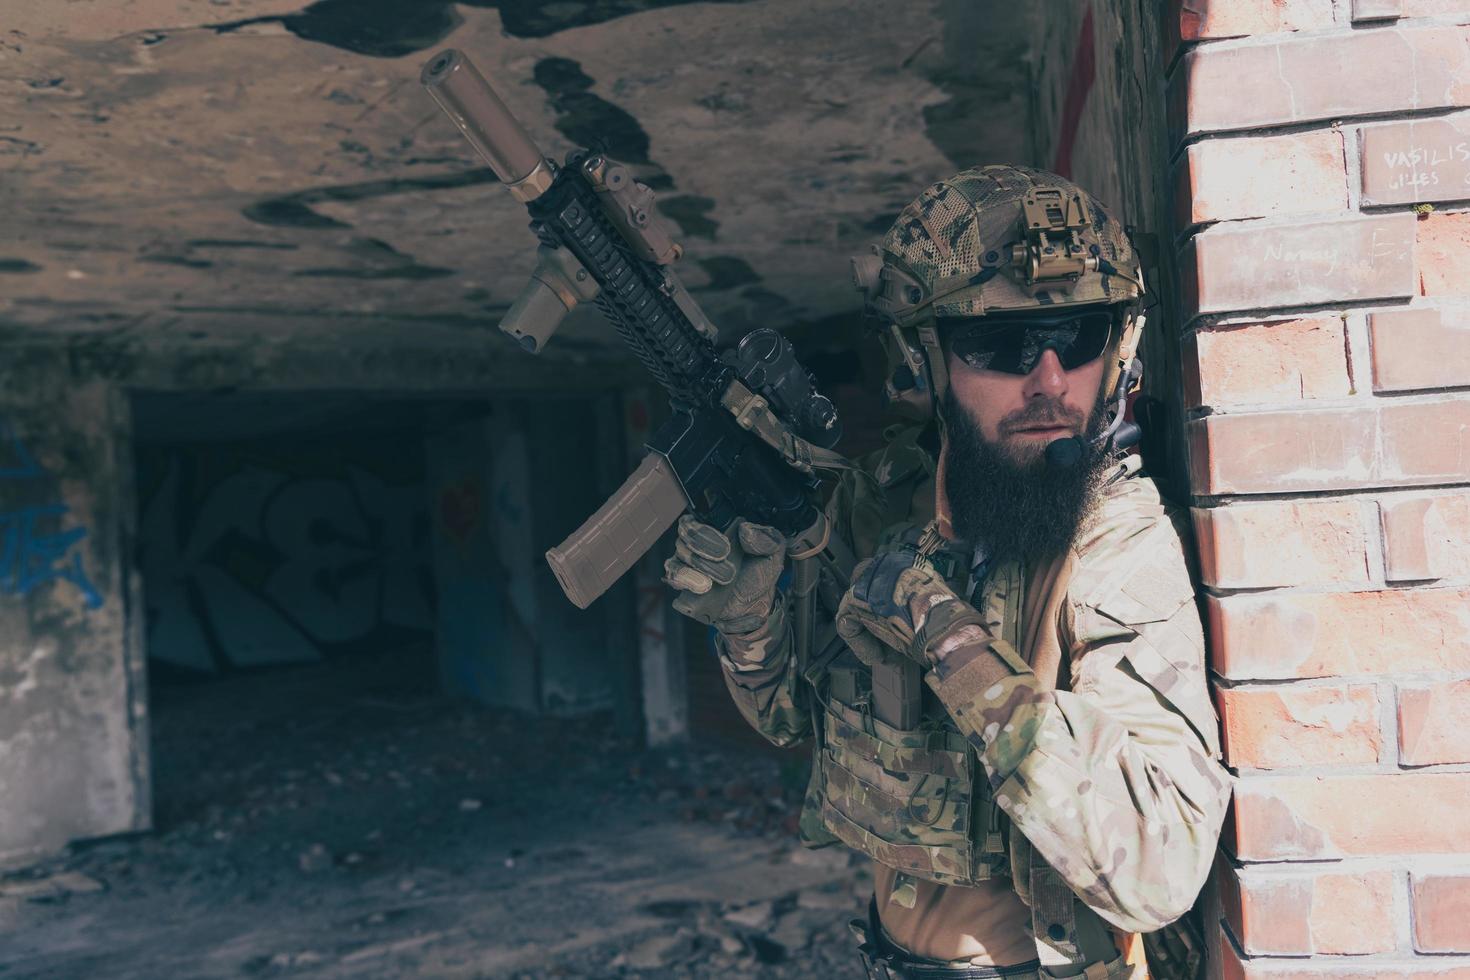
1018, 509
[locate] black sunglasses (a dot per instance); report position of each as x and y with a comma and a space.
1013, 343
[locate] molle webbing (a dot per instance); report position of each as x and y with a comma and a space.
912, 800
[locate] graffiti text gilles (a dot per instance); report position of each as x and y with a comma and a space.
34, 547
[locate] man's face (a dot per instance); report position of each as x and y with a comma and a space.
1001, 492
1019, 414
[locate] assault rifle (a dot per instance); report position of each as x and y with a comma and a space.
748, 433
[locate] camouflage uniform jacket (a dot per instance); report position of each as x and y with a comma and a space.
1107, 787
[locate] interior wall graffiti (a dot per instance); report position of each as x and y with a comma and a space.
36, 545
258, 554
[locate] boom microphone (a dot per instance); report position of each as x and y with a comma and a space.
1063, 454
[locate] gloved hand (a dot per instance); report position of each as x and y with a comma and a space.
895, 605
728, 584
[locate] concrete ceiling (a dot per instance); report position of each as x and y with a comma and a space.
191, 170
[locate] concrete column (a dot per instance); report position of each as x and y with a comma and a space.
73, 715
479, 501
503, 490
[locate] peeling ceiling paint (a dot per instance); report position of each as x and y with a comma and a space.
165, 164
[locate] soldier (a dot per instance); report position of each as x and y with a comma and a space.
1052, 790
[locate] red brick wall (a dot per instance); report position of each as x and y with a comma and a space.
1322, 194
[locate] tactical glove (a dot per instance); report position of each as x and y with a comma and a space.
726, 581
898, 605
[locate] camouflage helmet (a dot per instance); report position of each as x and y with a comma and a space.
993, 238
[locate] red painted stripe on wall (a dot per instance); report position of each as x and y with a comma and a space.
1084, 71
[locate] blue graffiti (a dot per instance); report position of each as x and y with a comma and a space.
30, 555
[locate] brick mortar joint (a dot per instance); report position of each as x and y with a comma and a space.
1295, 221
1372, 400
1308, 684
1376, 539
1295, 311
1446, 585
1270, 316
1306, 127
1414, 867
1451, 206
1394, 958
1263, 777
1183, 141
1208, 501
1401, 681
1364, 399
1358, 350
1388, 722
1403, 911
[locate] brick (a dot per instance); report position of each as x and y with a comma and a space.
1282, 818
1262, 177
1442, 254
1441, 906
1207, 20
1266, 363
1352, 914
1279, 727
1231, 267
1334, 914
1393, 444
1377, 10
1419, 348
1426, 537
1416, 160
1432, 727
1292, 635
1282, 543
1302, 79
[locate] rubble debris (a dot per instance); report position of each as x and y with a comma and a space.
656, 951
264, 865
314, 859
51, 887
758, 915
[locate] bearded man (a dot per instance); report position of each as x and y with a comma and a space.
1051, 790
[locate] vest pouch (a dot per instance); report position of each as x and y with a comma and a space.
906, 798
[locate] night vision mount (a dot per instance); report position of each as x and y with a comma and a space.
1053, 250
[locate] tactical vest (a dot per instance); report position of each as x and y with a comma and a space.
918, 801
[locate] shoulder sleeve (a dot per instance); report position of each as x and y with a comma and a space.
1149, 597
764, 680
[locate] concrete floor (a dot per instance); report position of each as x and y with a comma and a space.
342, 820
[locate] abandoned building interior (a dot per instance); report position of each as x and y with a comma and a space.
286, 684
